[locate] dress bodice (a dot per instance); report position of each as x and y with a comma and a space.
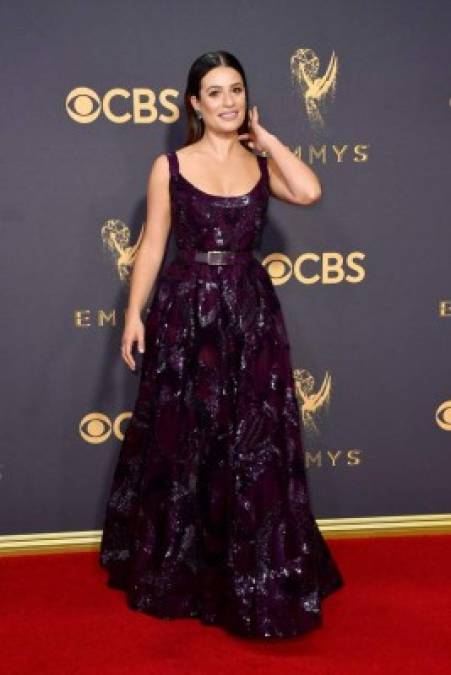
204, 221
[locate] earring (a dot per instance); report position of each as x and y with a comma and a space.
199, 114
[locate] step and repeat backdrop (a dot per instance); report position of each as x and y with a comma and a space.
92, 92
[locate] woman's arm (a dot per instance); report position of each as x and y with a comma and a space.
153, 244
290, 178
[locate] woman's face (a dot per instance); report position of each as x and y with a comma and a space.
222, 99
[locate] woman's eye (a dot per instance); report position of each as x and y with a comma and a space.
237, 90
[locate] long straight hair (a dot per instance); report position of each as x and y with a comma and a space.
202, 65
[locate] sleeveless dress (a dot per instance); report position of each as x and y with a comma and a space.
209, 513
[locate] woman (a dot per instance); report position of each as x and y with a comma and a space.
209, 513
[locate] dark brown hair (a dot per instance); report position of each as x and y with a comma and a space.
201, 66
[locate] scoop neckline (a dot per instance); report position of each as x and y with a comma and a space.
209, 194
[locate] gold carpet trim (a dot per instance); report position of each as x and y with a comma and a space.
331, 528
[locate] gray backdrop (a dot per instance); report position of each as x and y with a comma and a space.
363, 275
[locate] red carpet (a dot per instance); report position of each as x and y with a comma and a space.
393, 616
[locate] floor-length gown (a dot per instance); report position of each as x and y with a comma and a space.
209, 513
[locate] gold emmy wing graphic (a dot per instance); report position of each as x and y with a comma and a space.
311, 403
116, 238
304, 67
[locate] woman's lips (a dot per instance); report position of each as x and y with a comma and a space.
229, 115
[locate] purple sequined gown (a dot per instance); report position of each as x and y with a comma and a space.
209, 512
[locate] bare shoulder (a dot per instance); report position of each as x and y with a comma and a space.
189, 157
159, 170
161, 164
188, 151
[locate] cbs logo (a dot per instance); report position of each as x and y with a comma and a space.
329, 267
140, 105
443, 416
96, 428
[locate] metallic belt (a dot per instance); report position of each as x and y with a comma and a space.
216, 257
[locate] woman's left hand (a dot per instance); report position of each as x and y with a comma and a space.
257, 137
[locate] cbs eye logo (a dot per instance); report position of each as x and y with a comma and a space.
443, 416
96, 428
329, 267
118, 105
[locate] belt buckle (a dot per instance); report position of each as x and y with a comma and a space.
211, 260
